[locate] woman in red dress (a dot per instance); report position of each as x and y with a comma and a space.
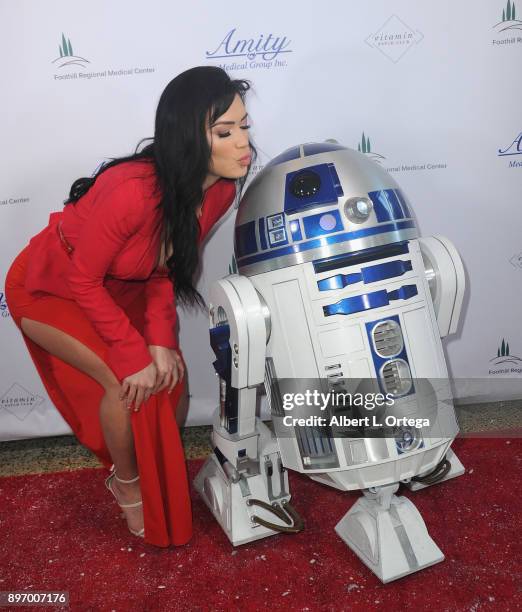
93, 293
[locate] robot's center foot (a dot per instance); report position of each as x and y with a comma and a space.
390, 538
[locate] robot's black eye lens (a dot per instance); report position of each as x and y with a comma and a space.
305, 184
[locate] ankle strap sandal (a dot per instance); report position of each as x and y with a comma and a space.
108, 482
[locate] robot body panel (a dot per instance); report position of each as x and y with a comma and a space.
307, 344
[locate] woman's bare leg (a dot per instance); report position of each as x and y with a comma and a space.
114, 416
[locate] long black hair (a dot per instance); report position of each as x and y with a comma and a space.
181, 156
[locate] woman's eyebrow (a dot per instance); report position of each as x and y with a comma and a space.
229, 122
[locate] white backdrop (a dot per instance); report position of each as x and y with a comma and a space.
433, 86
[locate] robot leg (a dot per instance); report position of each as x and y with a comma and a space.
388, 534
251, 499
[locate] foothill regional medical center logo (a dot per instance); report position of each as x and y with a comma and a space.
509, 28
505, 362
68, 59
513, 149
266, 50
394, 38
366, 147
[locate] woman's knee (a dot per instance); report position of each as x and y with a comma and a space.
113, 390
71, 351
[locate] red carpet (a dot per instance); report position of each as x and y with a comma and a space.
61, 531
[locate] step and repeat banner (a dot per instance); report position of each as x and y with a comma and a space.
428, 90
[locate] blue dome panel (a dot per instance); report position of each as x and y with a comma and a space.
315, 148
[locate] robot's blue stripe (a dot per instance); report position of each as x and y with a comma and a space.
404, 205
371, 274
246, 239
321, 147
325, 241
368, 301
386, 205
390, 269
339, 281
360, 257
262, 235
336, 181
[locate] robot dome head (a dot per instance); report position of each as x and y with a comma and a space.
316, 201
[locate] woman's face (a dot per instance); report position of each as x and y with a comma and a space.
229, 145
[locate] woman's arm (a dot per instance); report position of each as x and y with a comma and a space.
160, 310
160, 330
116, 215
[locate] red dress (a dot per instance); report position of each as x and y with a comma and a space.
108, 292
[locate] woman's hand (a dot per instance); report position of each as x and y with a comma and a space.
169, 366
138, 387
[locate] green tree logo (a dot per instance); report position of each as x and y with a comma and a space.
365, 147
503, 349
66, 55
504, 355
509, 19
508, 14
65, 48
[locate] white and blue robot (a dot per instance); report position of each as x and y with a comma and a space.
334, 286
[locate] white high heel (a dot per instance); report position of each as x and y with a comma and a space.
108, 480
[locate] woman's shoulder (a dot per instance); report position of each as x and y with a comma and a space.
126, 190
129, 178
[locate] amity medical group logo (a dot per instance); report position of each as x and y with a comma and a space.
68, 61
4, 309
263, 51
365, 146
394, 39
505, 362
513, 152
509, 29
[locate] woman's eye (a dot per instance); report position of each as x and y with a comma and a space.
227, 134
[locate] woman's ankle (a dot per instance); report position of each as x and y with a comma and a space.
127, 491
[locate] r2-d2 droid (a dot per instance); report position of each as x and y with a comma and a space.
334, 286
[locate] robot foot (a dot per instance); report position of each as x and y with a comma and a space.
244, 508
449, 467
388, 534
